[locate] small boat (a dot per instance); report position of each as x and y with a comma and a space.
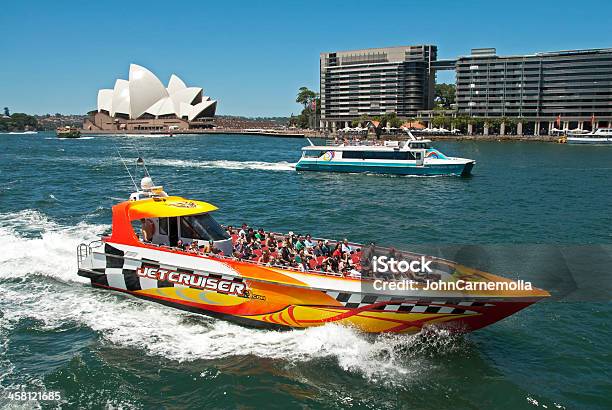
67, 132
601, 136
23, 133
166, 264
411, 157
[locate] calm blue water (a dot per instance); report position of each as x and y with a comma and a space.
99, 349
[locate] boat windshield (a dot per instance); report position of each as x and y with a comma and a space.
202, 227
312, 154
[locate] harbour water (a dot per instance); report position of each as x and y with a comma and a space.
99, 349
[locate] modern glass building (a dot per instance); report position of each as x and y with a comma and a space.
562, 89
374, 82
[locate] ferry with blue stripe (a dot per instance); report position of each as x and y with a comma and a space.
412, 157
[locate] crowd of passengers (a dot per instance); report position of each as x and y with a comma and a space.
295, 251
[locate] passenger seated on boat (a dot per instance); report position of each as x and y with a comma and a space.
265, 257
148, 229
326, 248
299, 243
193, 247
270, 241
317, 249
290, 239
243, 230
180, 244
308, 253
250, 235
308, 242
238, 245
260, 235
299, 261
246, 252
210, 248
345, 259
337, 253
345, 246
333, 264
285, 253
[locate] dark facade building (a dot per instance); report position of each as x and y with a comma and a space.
563, 89
375, 82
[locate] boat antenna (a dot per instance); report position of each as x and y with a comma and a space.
127, 169
411, 136
310, 141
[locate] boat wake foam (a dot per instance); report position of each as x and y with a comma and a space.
225, 164
38, 282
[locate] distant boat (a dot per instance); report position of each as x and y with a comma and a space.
23, 133
598, 137
412, 157
67, 132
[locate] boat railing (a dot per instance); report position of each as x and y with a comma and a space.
85, 249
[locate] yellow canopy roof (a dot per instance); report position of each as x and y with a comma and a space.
167, 206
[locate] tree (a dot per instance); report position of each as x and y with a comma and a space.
392, 120
18, 122
445, 94
305, 97
440, 121
309, 99
6, 112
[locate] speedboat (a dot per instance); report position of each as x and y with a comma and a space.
411, 157
597, 137
165, 263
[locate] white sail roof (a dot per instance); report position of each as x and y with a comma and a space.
199, 108
105, 99
145, 93
121, 98
162, 107
145, 90
186, 95
175, 84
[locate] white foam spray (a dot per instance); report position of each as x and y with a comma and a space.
51, 293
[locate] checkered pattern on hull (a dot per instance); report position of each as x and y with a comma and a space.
356, 300
119, 272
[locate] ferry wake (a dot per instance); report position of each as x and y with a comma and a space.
183, 258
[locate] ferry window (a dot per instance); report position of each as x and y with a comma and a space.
352, 154
163, 226
202, 227
312, 154
394, 155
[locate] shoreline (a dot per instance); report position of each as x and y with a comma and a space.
266, 133
311, 134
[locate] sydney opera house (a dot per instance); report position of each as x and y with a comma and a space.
143, 104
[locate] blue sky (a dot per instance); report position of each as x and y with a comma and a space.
252, 55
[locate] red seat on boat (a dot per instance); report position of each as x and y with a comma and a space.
257, 252
312, 264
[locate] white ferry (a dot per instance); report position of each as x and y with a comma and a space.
412, 157
599, 136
